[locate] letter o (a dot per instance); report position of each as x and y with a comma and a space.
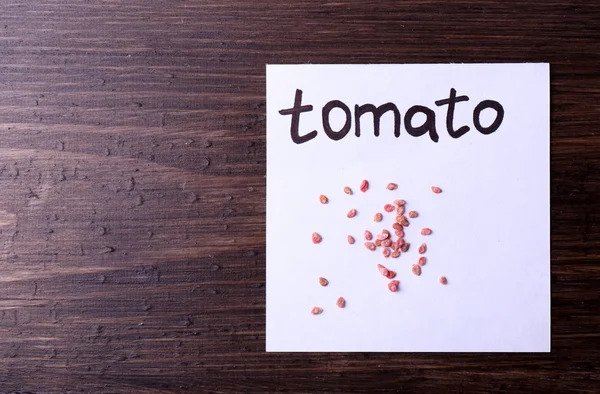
499, 116
336, 135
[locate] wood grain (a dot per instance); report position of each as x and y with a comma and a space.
132, 189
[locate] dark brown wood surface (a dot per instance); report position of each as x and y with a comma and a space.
132, 189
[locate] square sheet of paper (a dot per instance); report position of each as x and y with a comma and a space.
491, 223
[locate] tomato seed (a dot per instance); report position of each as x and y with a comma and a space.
389, 208
443, 280
386, 251
364, 186
370, 245
393, 285
377, 242
399, 233
377, 217
383, 235
316, 238
341, 302
413, 214
422, 261
323, 281
404, 248
416, 269
382, 270
400, 242
316, 310
391, 186
395, 254
423, 248
351, 239
404, 221
391, 274
323, 199
347, 190
351, 213
436, 189
400, 211
397, 226
399, 203
386, 243
368, 235
426, 231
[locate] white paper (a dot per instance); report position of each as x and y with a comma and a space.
491, 224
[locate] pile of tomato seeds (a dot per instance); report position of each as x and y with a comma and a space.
390, 247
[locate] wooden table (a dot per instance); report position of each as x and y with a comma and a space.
132, 189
